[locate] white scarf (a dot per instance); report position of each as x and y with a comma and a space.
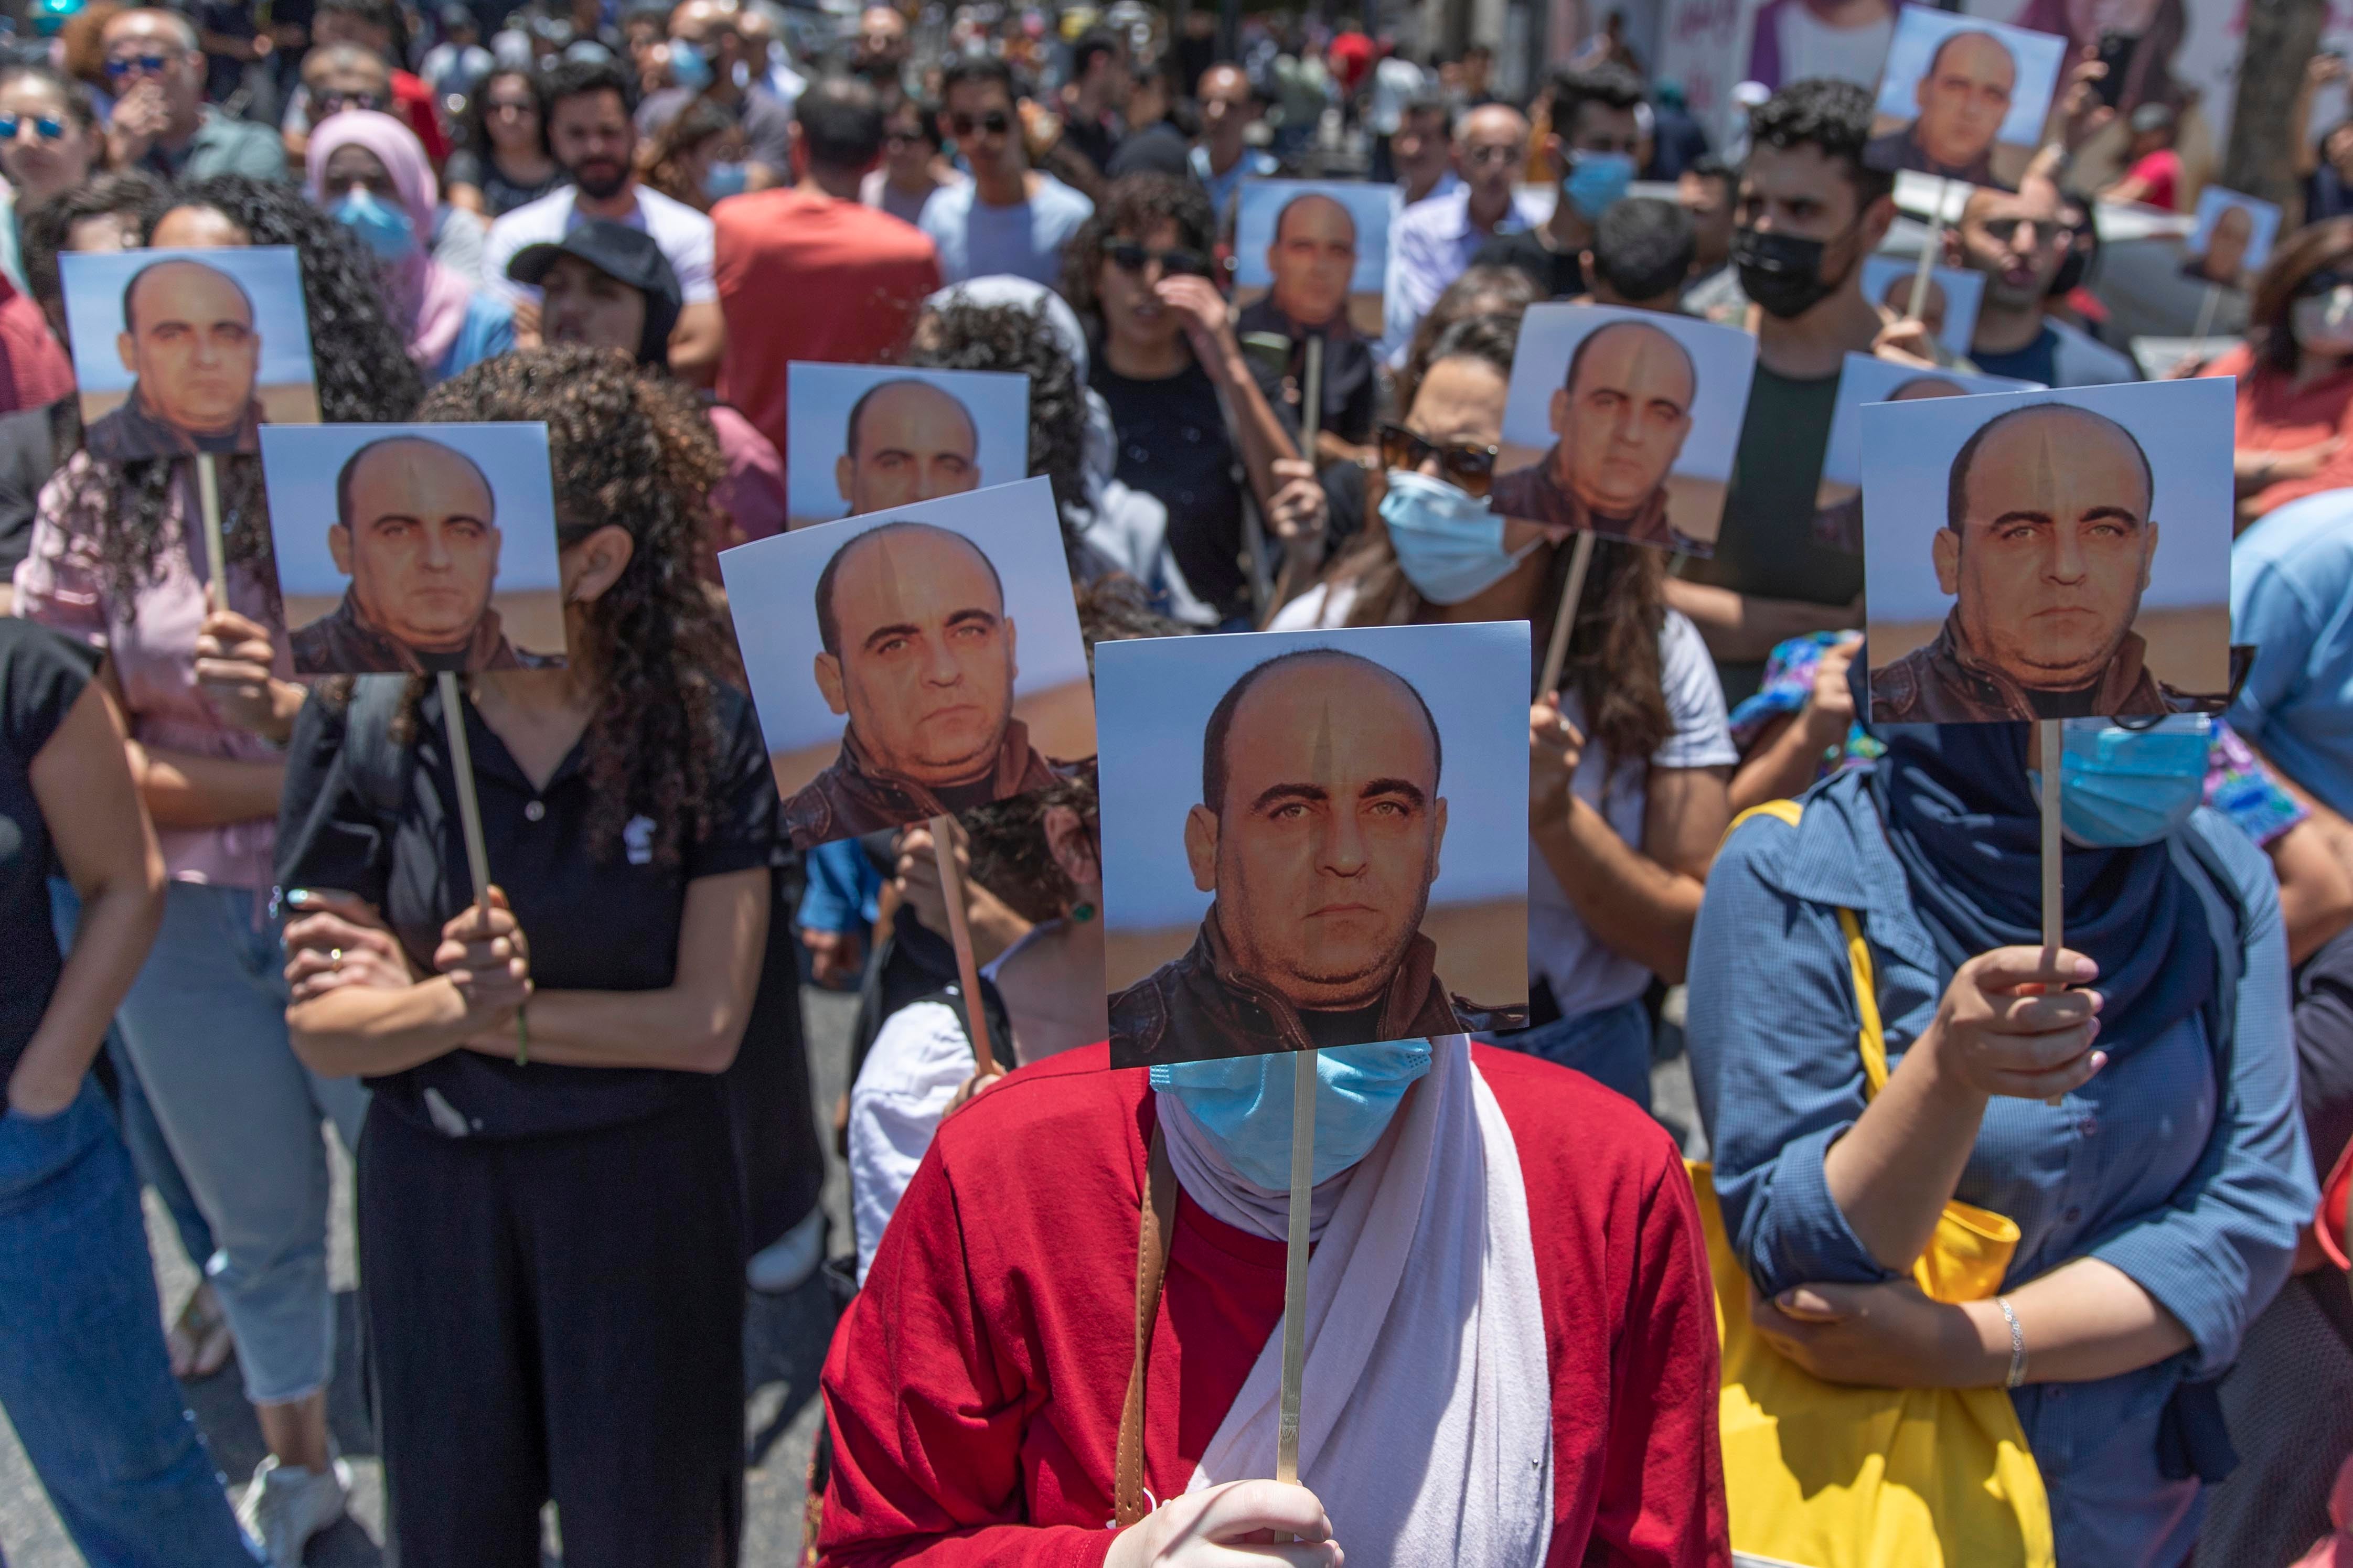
1425, 1412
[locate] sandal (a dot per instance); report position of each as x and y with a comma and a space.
199, 1342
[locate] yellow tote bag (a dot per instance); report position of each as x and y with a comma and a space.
1828, 1476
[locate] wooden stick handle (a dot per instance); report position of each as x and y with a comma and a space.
967, 971
2053, 852
1310, 415
1565, 620
1295, 1265
469, 815
2206, 309
215, 548
1928, 253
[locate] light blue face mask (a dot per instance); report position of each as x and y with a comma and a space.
389, 231
1596, 180
724, 180
689, 66
1449, 544
2121, 787
1243, 1105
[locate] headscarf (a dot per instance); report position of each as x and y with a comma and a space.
1955, 804
429, 298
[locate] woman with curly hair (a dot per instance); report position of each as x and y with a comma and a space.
682, 157
201, 669
1194, 429
1627, 759
552, 1236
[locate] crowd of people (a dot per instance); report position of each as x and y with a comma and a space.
232, 927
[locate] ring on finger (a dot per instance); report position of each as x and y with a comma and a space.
336, 958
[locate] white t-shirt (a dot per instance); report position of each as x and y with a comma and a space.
1584, 974
1811, 48
683, 235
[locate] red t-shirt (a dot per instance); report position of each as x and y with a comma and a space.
974, 1389
803, 276
2275, 415
2160, 174
34, 371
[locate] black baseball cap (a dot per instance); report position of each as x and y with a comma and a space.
626, 256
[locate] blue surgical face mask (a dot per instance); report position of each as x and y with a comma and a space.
1449, 544
1596, 180
689, 66
1243, 1104
2120, 787
389, 231
724, 180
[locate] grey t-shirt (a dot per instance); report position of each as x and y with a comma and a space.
977, 240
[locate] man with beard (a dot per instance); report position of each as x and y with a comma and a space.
2018, 241
1318, 829
1310, 261
591, 134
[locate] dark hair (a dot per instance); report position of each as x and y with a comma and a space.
579, 78
381, 15
1135, 205
661, 161
77, 101
1429, 103
977, 68
1010, 854
840, 120
2321, 247
1957, 484
829, 624
1093, 42
630, 449
1609, 84
1832, 117
344, 475
927, 118
1222, 717
961, 334
477, 124
1643, 247
858, 409
1118, 608
46, 229
130, 290
1708, 166
1506, 290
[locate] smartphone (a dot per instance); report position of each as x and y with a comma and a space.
2116, 51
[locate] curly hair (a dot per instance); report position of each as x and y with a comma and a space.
1481, 291
961, 334
1010, 855
662, 161
1832, 117
630, 449
1613, 666
362, 372
1134, 207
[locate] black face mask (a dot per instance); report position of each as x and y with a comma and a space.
1783, 272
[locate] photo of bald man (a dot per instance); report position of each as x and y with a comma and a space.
172, 350
1311, 267
870, 438
907, 441
1962, 99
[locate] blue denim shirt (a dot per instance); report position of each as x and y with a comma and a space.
2195, 1195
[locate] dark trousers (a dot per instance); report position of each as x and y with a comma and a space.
563, 1318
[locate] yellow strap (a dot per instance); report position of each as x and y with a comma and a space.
1873, 1038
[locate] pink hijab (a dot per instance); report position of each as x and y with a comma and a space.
429, 298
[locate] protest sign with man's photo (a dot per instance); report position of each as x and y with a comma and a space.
2049, 554
1311, 256
2233, 238
1623, 424
868, 437
1313, 839
1867, 379
415, 549
1949, 305
1963, 98
183, 353
914, 663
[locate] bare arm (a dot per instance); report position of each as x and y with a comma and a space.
697, 342
186, 789
83, 785
2316, 888
470, 198
1208, 329
1746, 627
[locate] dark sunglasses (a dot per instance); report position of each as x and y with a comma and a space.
903, 138
997, 122
1176, 261
336, 102
145, 65
1470, 469
44, 128
512, 106
2328, 281
2047, 233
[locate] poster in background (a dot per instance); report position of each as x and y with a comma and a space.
1338, 816
2233, 241
1313, 250
918, 435
409, 548
1963, 98
1950, 309
2076, 565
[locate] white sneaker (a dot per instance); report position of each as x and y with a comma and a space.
785, 1263
286, 1506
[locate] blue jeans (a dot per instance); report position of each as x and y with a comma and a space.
205, 1025
1611, 1047
83, 1374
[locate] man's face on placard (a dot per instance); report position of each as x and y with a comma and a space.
191, 343
1622, 420
419, 539
2226, 243
909, 441
1312, 260
1964, 96
1933, 304
926, 668
2054, 547
1324, 849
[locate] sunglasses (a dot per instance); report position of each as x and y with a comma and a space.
142, 65
336, 102
512, 106
903, 138
1176, 261
1479, 157
997, 122
2326, 281
2047, 234
44, 128
1470, 469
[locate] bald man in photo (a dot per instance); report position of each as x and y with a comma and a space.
1934, 307
1963, 96
1319, 831
907, 441
417, 532
2050, 531
918, 653
1620, 420
190, 343
2227, 243
1310, 262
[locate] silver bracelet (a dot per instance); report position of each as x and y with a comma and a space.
2016, 1344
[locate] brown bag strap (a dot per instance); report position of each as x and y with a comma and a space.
1158, 1218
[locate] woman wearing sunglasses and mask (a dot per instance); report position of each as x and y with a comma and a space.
1627, 760
49, 141
1195, 432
